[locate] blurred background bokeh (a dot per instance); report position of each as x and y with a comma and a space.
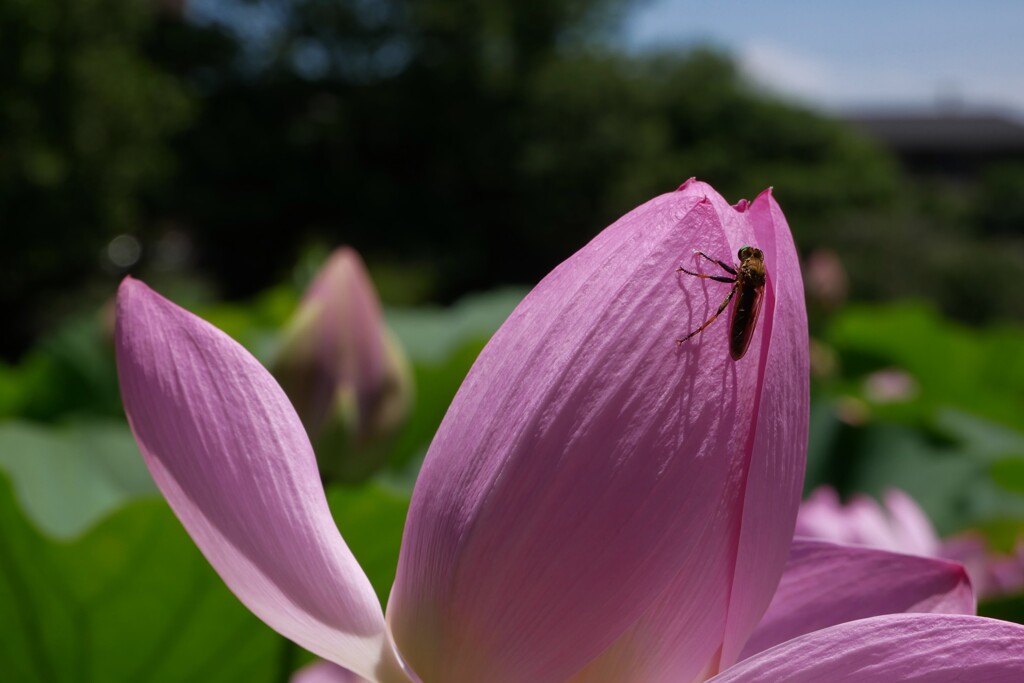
222, 149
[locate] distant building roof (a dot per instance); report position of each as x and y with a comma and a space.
944, 131
955, 143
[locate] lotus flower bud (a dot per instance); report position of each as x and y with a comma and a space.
344, 372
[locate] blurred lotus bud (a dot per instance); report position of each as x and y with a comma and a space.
890, 385
343, 370
827, 283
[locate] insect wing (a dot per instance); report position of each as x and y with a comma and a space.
745, 314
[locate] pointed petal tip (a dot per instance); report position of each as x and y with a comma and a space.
342, 275
963, 579
709, 195
128, 286
342, 254
830, 583
132, 295
766, 195
143, 314
697, 188
133, 292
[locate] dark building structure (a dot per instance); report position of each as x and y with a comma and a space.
952, 143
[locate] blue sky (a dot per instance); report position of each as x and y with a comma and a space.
870, 53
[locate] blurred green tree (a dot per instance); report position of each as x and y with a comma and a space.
84, 120
439, 137
447, 135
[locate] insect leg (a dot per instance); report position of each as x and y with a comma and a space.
725, 304
718, 278
721, 264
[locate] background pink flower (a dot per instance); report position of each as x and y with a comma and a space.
900, 525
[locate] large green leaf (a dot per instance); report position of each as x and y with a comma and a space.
950, 437
70, 372
979, 371
66, 478
436, 385
371, 518
950, 468
130, 600
442, 344
433, 334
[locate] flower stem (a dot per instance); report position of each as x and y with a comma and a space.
286, 661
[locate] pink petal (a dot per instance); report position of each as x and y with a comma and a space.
1005, 574
821, 516
776, 467
827, 584
992, 574
661, 646
932, 648
862, 521
589, 468
230, 455
901, 526
869, 525
911, 525
968, 548
324, 672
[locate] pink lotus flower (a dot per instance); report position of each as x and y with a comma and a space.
599, 505
900, 525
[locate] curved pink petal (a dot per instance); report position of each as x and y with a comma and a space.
325, 672
821, 515
662, 644
913, 529
862, 521
870, 525
775, 476
992, 574
590, 468
900, 526
932, 648
230, 455
971, 550
827, 584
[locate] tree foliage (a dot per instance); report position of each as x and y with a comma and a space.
453, 134
459, 144
84, 121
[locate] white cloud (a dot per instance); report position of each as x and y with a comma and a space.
819, 81
785, 71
